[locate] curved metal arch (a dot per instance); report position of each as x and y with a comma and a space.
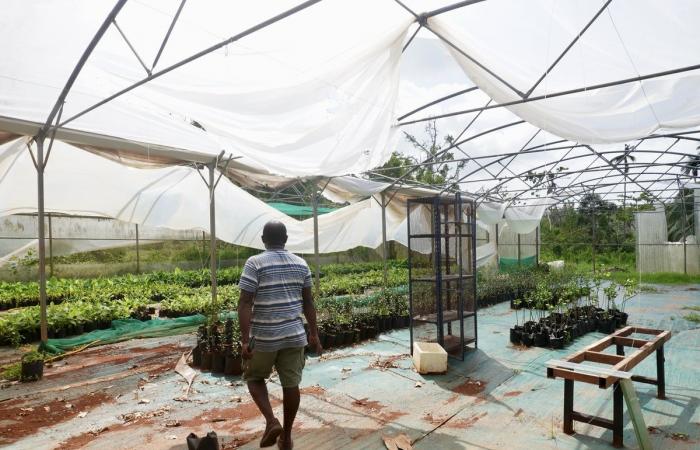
595, 156
588, 188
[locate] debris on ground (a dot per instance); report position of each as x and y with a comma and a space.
400, 442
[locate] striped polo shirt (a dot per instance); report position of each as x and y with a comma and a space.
276, 277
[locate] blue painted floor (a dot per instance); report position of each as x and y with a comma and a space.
499, 397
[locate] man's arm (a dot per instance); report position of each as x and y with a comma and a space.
310, 314
245, 312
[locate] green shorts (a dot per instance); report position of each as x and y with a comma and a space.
288, 362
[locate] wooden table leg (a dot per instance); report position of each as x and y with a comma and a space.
568, 406
660, 373
620, 350
618, 429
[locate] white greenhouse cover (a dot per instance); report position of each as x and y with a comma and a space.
315, 95
176, 198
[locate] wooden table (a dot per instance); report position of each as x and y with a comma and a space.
571, 369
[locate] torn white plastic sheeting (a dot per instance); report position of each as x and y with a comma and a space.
176, 198
289, 101
524, 219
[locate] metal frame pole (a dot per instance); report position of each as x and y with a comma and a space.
384, 249
50, 247
594, 237
317, 257
138, 253
40, 165
518, 234
537, 245
681, 192
212, 230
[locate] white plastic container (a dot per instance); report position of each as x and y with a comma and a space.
429, 357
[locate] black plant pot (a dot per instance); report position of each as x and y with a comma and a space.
233, 365
348, 337
32, 371
331, 341
197, 356
218, 362
515, 336
606, 326
206, 361
556, 343
623, 318
371, 332
527, 339
405, 321
541, 339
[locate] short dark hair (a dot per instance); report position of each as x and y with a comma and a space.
274, 233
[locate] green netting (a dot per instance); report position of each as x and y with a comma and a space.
507, 264
298, 210
123, 330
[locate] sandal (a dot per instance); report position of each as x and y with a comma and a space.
271, 434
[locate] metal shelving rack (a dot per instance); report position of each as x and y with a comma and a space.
442, 272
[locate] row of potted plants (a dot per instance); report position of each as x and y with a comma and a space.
549, 322
218, 347
19, 294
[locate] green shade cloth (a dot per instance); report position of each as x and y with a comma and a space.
507, 264
123, 330
298, 210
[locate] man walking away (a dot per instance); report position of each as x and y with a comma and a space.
275, 290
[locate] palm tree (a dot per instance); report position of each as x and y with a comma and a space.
692, 165
624, 159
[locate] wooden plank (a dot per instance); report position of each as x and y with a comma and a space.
571, 375
605, 358
642, 330
647, 380
601, 344
593, 420
630, 342
589, 370
636, 416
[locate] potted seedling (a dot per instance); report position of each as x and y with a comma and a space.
197, 350
232, 345
631, 289
32, 366
218, 359
517, 331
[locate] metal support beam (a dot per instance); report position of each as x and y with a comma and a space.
317, 257
681, 192
558, 94
138, 253
206, 51
593, 240
50, 247
42, 236
384, 246
212, 230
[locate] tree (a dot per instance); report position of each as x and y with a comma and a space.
439, 168
624, 159
692, 166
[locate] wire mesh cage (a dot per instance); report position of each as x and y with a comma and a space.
442, 269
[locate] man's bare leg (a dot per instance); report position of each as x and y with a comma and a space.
291, 406
258, 390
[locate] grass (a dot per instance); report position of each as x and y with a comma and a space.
693, 317
692, 308
12, 372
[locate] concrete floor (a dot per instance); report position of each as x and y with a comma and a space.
127, 396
